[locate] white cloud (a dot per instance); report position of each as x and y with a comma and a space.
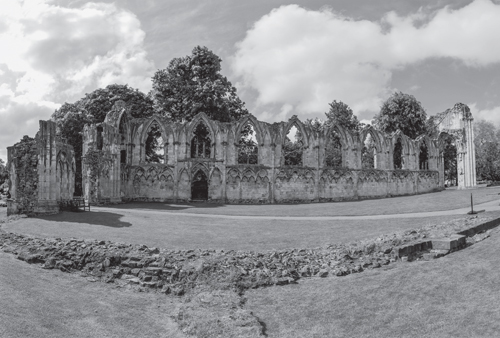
492, 115
308, 58
52, 54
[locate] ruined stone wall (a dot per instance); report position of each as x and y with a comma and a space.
41, 172
458, 123
269, 180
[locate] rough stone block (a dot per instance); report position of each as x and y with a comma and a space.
452, 243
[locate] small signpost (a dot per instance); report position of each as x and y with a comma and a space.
472, 212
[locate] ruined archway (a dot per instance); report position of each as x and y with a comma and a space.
458, 122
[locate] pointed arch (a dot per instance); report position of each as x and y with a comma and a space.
201, 143
200, 166
345, 136
200, 117
199, 185
294, 121
292, 152
165, 130
336, 142
400, 150
154, 141
370, 147
375, 136
248, 146
424, 152
250, 119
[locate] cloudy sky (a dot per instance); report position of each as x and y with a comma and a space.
284, 58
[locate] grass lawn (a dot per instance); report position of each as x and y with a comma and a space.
454, 296
156, 229
47, 303
444, 200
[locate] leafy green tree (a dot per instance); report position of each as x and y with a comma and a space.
404, 112
487, 145
100, 102
193, 84
4, 177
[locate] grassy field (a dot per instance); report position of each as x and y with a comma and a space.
190, 232
48, 303
454, 296
444, 200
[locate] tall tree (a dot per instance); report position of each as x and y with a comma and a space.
194, 84
402, 111
487, 145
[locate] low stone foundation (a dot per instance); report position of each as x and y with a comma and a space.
176, 271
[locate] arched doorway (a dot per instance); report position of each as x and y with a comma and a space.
199, 186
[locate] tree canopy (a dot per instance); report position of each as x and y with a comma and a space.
402, 111
4, 177
194, 84
341, 114
487, 145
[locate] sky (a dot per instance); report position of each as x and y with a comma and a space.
284, 58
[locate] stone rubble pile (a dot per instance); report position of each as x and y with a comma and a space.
172, 271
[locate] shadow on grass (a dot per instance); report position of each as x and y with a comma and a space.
108, 219
167, 206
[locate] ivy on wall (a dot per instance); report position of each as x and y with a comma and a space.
97, 167
27, 175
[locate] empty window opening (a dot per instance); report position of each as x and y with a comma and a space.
199, 186
155, 149
333, 150
293, 146
369, 153
123, 156
99, 139
423, 156
450, 162
248, 151
123, 146
201, 143
398, 155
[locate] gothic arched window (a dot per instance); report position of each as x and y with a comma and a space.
248, 151
201, 143
293, 147
333, 150
155, 149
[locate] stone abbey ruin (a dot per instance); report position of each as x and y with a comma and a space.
209, 160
